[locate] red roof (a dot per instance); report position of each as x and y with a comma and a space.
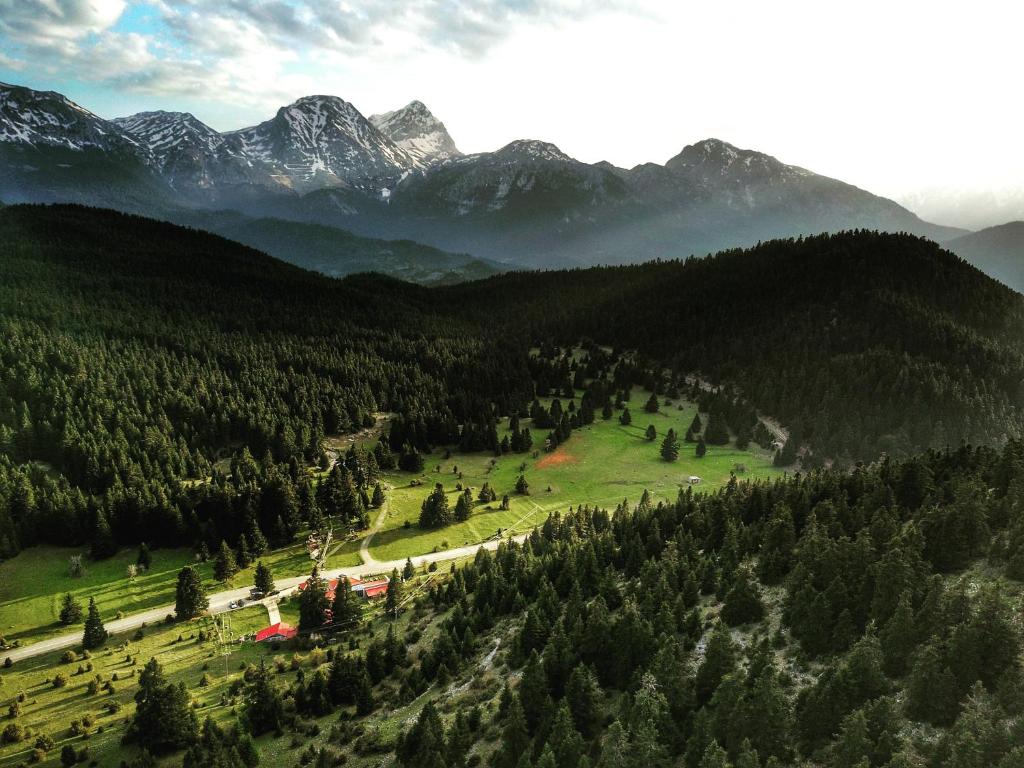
332, 585
376, 591
279, 631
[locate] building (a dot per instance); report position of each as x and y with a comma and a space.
370, 590
367, 590
693, 480
276, 632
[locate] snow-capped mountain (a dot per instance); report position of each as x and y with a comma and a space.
415, 129
188, 153
48, 119
323, 141
401, 176
523, 176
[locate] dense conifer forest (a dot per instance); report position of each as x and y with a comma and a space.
138, 355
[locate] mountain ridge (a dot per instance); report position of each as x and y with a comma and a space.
399, 175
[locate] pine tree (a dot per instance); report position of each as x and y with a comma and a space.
743, 602
776, 555
719, 661
464, 506
670, 446
564, 741
899, 637
702, 448
583, 695
263, 579
224, 564
313, 603
522, 486
378, 497
94, 634
515, 739
434, 512
346, 611
70, 610
164, 719
624, 418
652, 405
144, 559
103, 544
534, 693
716, 433
393, 600
263, 708
189, 594
651, 434
244, 557
424, 743
408, 571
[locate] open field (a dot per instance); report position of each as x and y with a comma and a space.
185, 657
33, 583
601, 464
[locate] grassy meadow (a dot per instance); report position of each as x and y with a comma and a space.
33, 583
197, 660
600, 464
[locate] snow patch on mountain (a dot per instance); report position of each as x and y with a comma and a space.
46, 118
322, 141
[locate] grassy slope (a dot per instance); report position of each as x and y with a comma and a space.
50, 710
599, 465
33, 583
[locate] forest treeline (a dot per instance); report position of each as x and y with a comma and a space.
143, 363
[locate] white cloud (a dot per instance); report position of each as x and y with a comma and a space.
889, 96
41, 22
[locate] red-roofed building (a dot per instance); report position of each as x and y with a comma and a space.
279, 631
372, 589
368, 590
332, 585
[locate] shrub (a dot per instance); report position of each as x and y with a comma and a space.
68, 657
59, 680
12, 734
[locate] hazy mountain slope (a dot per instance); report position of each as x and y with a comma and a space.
997, 251
336, 253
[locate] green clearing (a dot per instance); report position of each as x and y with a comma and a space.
199, 663
600, 465
33, 583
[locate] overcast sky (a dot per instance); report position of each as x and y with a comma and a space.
893, 96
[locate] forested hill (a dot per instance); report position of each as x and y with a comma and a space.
863, 342
137, 355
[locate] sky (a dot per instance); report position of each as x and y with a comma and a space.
896, 97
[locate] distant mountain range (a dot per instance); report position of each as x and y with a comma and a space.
319, 162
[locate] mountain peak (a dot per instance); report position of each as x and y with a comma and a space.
415, 129
49, 118
713, 158
323, 141
532, 149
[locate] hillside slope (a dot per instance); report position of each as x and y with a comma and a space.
996, 251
